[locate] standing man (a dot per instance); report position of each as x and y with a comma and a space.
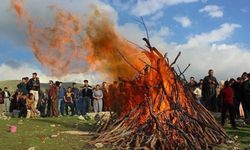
87, 95
106, 97
50, 94
6, 101
246, 95
209, 91
54, 100
62, 92
243, 95
1, 101
237, 96
22, 86
34, 86
76, 101
227, 96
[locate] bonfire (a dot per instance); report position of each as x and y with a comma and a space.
155, 110
159, 112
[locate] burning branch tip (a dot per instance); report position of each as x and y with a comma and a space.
143, 23
176, 58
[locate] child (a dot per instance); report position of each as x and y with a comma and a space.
198, 93
68, 99
31, 106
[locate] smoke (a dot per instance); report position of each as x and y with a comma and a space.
74, 44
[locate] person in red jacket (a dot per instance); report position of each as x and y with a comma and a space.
227, 95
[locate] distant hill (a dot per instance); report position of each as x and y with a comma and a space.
12, 85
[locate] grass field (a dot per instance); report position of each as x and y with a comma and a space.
38, 133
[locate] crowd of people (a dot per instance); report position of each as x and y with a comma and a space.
30, 101
231, 96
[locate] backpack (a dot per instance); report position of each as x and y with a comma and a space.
1, 98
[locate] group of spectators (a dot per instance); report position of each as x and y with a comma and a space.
229, 95
30, 101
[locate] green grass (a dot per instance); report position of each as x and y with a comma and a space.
243, 134
37, 133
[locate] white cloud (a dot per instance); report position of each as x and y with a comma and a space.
228, 60
25, 70
201, 51
183, 20
148, 7
132, 28
157, 16
164, 32
216, 35
213, 10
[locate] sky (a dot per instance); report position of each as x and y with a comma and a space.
209, 33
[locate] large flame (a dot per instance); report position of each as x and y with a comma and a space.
72, 45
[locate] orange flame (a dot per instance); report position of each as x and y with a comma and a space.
72, 45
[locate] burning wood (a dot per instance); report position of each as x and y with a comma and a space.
159, 113
154, 111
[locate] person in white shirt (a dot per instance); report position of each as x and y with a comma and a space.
6, 101
198, 93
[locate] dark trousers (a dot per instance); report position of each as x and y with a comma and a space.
41, 108
87, 104
245, 108
225, 108
71, 106
49, 108
23, 112
210, 102
237, 108
61, 109
81, 106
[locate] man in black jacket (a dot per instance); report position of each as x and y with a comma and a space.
22, 86
87, 96
209, 91
237, 95
246, 96
34, 87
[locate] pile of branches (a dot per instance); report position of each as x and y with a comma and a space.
162, 113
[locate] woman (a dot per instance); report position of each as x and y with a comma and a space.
31, 106
97, 95
68, 100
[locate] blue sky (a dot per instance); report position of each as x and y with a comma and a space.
210, 33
